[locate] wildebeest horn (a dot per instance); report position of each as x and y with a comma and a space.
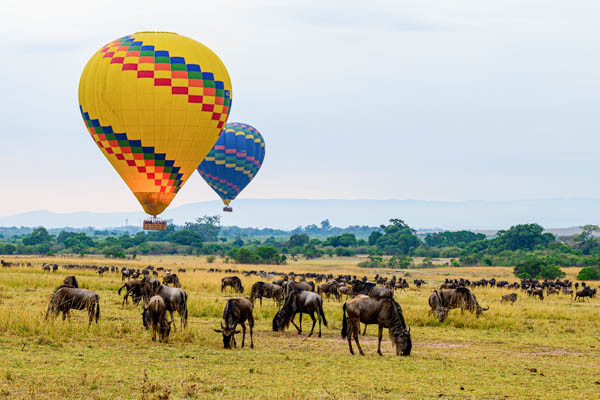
222, 325
408, 330
485, 309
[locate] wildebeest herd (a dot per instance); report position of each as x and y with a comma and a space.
367, 301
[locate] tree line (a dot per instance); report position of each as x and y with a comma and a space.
394, 245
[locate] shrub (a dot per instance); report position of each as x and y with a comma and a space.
210, 259
551, 272
528, 269
589, 274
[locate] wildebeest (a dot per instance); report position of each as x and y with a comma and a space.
172, 279
300, 301
330, 288
135, 289
371, 289
304, 285
386, 313
233, 282
155, 315
175, 300
345, 290
509, 298
585, 292
567, 291
66, 298
537, 291
460, 297
268, 290
237, 311
71, 281
418, 283
46, 267
436, 303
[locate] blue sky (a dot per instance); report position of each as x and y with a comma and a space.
452, 100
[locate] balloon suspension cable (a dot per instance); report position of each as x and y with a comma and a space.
153, 223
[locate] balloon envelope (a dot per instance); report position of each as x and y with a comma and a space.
155, 103
234, 160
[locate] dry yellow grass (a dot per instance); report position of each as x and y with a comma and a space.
531, 349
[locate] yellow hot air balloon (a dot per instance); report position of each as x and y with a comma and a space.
155, 104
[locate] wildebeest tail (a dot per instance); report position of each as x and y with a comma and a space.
119, 291
344, 323
97, 308
185, 309
322, 313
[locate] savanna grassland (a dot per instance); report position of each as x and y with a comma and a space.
529, 350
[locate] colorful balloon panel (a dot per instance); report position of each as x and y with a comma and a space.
155, 103
234, 160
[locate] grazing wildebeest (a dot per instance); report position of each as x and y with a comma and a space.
135, 289
233, 282
71, 281
46, 267
300, 301
371, 289
175, 300
66, 298
173, 279
462, 298
330, 288
552, 290
509, 298
386, 313
237, 311
304, 285
54, 267
437, 306
156, 315
345, 290
537, 291
268, 290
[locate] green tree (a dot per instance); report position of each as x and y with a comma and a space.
267, 254
298, 240
551, 272
589, 274
447, 239
523, 237
529, 269
398, 238
208, 227
38, 236
373, 237
7, 248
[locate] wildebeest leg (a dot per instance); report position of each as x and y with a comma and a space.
365, 331
349, 337
356, 330
243, 334
251, 325
379, 340
319, 317
312, 315
293, 323
154, 329
260, 301
172, 321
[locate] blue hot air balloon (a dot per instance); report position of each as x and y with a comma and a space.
233, 161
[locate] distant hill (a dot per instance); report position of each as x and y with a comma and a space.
290, 213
